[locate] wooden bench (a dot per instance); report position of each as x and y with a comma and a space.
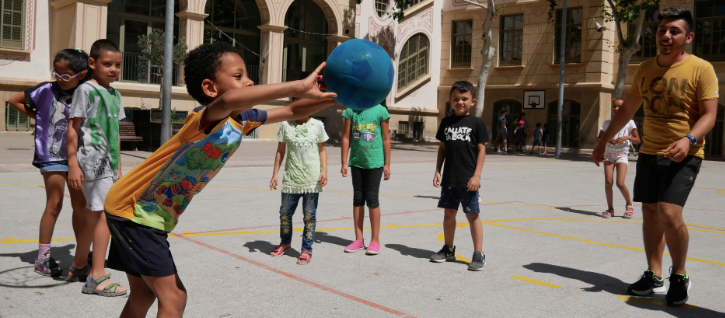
127, 132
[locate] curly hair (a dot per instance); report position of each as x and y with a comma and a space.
202, 63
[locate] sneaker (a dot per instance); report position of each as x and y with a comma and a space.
647, 284
478, 261
446, 254
47, 267
373, 248
354, 246
679, 286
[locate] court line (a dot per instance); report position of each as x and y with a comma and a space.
536, 281
652, 302
462, 259
297, 278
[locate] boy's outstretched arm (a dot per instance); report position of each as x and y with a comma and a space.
439, 164
281, 148
475, 182
323, 163
75, 175
243, 99
299, 109
18, 102
345, 147
386, 147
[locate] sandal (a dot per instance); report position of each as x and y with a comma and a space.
608, 213
108, 291
630, 211
79, 275
279, 250
305, 258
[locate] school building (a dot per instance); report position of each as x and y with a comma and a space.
527, 63
438, 43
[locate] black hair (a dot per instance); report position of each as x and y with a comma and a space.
202, 63
462, 87
522, 114
677, 13
546, 126
103, 45
76, 60
504, 110
538, 124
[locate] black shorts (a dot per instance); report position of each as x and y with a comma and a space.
138, 249
660, 179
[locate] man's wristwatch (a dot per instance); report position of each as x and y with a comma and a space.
693, 140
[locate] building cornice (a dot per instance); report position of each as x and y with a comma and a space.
273, 28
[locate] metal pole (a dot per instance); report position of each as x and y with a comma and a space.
562, 59
168, 70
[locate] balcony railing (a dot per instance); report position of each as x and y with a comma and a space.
253, 72
131, 69
293, 75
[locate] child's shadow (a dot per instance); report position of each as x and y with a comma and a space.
327, 238
415, 252
267, 247
18, 278
61, 254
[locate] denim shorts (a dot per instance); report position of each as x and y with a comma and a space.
53, 166
453, 197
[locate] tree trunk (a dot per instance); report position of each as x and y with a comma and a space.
161, 91
624, 56
488, 52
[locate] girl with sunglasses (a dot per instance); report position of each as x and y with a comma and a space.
49, 104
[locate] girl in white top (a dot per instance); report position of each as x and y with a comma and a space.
616, 155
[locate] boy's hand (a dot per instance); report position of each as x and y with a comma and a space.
678, 150
323, 178
437, 180
310, 87
75, 178
343, 170
474, 183
273, 183
598, 153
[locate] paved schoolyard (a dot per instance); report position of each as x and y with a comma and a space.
548, 254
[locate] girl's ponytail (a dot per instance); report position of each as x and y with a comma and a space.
77, 60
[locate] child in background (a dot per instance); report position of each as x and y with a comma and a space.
502, 132
463, 149
545, 139
49, 104
305, 173
147, 203
94, 160
369, 147
520, 136
538, 135
617, 155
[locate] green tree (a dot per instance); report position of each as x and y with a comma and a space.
622, 12
152, 47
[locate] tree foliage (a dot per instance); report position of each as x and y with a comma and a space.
399, 13
152, 47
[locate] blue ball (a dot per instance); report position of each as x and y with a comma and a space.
360, 72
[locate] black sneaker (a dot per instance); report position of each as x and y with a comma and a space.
446, 254
679, 286
478, 261
647, 284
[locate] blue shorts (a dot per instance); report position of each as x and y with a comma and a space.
452, 197
53, 166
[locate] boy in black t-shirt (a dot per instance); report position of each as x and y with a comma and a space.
463, 140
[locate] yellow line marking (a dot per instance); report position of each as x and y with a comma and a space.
460, 225
535, 281
463, 259
605, 221
440, 237
652, 302
721, 191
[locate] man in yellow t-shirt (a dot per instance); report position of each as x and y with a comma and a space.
679, 92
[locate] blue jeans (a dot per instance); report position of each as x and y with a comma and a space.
287, 210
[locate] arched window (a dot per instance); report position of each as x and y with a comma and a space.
129, 19
569, 123
381, 7
238, 19
714, 139
413, 61
303, 52
514, 110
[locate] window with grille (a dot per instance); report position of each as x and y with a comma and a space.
462, 32
403, 127
647, 39
412, 3
15, 120
418, 130
710, 30
12, 21
573, 36
381, 7
512, 39
413, 63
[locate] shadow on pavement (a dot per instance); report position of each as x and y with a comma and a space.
613, 285
428, 197
61, 254
590, 213
267, 247
411, 251
323, 237
25, 277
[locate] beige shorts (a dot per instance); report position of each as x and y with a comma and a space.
616, 157
95, 192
